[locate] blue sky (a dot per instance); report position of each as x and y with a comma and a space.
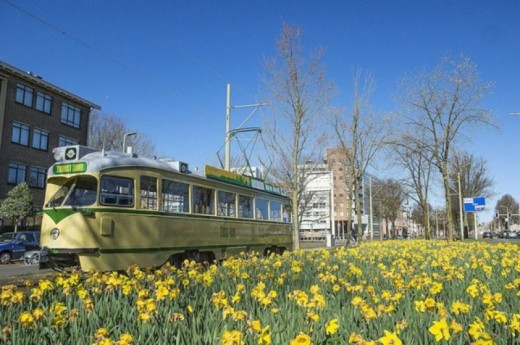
163, 66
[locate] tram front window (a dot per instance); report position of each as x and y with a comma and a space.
79, 191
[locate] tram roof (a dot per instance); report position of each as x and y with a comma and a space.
81, 159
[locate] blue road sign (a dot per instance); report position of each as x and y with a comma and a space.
474, 204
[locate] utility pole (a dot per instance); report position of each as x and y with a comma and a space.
230, 132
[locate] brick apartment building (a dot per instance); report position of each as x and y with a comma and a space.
35, 117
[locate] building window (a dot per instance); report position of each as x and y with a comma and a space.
24, 95
43, 102
65, 141
70, 115
37, 177
20, 134
16, 173
40, 139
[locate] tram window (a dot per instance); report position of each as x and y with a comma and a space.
117, 191
83, 192
245, 207
226, 204
148, 193
175, 196
286, 213
262, 209
203, 200
276, 211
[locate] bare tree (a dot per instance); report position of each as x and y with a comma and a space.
107, 132
389, 201
474, 181
360, 135
445, 104
505, 209
299, 96
418, 166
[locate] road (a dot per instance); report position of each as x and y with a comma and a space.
17, 272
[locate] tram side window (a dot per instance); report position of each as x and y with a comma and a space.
203, 200
117, 191
276, 211
262, 209
245, 207
226, 204
148, 192
286, 213
175, 196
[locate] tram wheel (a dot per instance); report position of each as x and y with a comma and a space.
176, 260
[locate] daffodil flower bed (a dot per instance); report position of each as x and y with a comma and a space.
391, 292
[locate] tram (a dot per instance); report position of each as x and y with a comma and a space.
106, 211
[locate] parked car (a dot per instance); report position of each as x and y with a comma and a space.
31, 257
13, 245
487, 234
511, 234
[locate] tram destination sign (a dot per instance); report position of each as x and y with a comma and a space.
227, 176
69, 168
242, 180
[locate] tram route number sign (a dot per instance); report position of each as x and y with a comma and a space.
474, 204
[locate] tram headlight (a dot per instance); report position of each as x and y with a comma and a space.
55, 233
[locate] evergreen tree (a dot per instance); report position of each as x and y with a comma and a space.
17, 205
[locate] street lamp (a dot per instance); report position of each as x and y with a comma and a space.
126, 135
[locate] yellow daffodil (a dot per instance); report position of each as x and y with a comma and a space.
264, 338
301, 339
420, 306
101, 333
430, 303
38, 313
440, 330
515, 323
232, 338
456, 327
332, 327
460, 308
255, 325
125, 339
390, 338
26, 319
477, 329
355, 339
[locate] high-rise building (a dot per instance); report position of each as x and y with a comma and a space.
343, 200
316, 202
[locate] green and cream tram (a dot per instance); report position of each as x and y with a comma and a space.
110, 210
